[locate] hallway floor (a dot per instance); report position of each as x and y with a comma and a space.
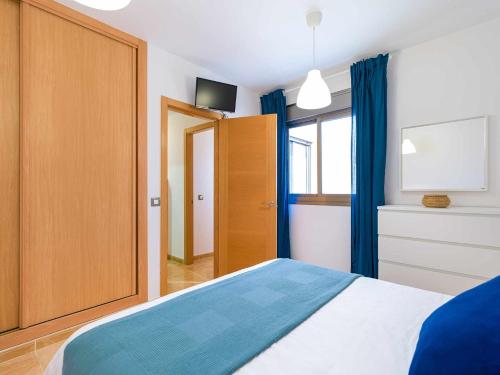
182, 276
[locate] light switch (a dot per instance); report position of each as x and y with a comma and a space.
155, 201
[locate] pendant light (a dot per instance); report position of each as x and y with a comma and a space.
105, 4
314, 92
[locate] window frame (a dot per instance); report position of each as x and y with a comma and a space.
307, 145
319, 198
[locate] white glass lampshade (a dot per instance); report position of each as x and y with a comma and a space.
314, 92
408, 147
105, 4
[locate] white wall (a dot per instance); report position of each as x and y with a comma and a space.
321, 235
177, 123
453, 77
174, 77
203, 183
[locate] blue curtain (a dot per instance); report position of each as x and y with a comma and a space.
275, 102
369, 133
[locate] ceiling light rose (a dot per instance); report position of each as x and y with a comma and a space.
314, 92
105, 4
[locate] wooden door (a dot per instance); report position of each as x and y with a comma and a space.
78, 217
247, 192
9, 165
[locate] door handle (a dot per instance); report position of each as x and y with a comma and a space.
271, 204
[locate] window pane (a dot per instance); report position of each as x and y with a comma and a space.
303, 159
336, 154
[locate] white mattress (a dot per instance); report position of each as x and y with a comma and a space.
371, 328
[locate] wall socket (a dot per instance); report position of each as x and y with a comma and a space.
155, 201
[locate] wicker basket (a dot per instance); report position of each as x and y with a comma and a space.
436, 201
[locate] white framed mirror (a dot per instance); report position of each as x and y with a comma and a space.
446, 156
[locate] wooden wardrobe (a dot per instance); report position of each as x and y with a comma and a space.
73, 227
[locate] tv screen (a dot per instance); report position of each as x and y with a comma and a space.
215, 95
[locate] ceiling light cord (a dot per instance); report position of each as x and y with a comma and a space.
314, 47
314, 92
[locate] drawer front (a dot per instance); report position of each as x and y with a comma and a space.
462, 229
463, 259
426, 279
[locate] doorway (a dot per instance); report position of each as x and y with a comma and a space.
244, 195
199, 194
188, 196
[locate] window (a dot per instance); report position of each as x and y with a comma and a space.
303, 152
320, 159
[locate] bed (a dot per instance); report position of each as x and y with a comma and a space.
369, 327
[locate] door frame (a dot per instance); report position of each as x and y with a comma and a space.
168, 104
189, 189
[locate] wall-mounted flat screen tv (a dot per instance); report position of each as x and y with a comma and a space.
215, 95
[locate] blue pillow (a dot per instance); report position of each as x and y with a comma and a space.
463, 335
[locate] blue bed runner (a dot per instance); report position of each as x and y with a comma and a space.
211, 330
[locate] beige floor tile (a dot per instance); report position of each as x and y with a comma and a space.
57, 337
7, 355
207, 273
181, 276
45, 354
176, 286
24, 365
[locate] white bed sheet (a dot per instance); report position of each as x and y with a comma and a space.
371, 328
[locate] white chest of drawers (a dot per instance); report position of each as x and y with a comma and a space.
444, 250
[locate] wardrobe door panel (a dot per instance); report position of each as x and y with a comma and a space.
78, 218
9, 165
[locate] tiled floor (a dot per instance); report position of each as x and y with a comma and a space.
184, 276
33, 358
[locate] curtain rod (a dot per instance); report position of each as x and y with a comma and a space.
329, 76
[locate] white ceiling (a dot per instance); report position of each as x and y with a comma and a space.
263, 44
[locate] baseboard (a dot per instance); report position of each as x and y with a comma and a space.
180, 260
175, 259
204, 255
